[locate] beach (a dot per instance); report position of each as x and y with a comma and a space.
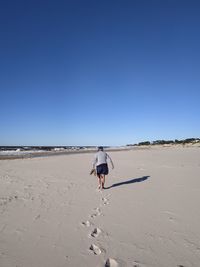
53, 215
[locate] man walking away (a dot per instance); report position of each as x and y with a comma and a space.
101, 164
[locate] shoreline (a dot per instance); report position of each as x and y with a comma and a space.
60, 153
54, 153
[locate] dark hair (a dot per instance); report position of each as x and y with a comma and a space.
100, 148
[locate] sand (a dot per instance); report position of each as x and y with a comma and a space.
52, 215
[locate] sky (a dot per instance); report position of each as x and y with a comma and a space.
103, 72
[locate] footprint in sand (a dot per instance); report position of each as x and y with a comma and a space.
37, 217
87, 223
111, 263
138, 264
97, 213
96, 232
105, 201
96, 250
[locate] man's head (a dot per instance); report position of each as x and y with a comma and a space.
100, 148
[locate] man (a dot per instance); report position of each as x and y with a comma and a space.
100, 162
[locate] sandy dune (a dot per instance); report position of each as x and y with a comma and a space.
52, 215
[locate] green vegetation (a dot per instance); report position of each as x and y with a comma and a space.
146, 143
167, 142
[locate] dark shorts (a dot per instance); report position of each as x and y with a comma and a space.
102, 169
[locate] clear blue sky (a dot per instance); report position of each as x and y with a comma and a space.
99, 72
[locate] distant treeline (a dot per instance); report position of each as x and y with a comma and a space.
167, 142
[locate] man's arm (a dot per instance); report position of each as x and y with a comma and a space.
94, 162
111, 161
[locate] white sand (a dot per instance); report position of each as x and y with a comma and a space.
51, 214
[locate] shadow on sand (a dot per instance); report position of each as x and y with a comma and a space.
132, 181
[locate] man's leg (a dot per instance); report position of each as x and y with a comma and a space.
103, 180
99, 176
